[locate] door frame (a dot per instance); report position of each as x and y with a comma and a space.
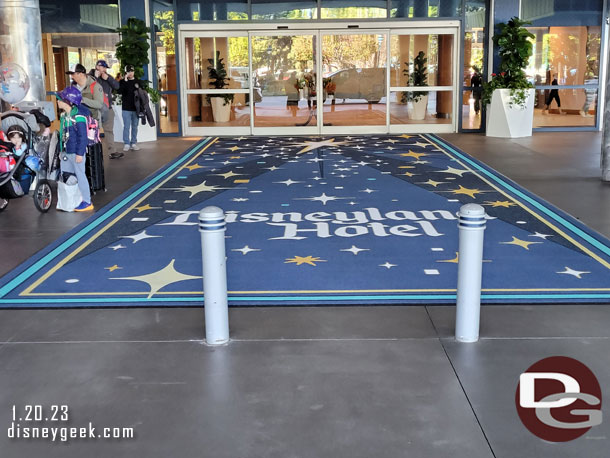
317, 28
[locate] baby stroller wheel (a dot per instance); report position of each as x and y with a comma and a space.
3, 203
43, 197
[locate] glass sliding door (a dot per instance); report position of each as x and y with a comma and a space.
423, 67
284, 83
313, 81
354, 86
207, 109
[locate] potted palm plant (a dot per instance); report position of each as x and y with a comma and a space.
509, 96
418, 77
221, 103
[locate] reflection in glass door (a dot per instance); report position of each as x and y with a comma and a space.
354, 82
283, 80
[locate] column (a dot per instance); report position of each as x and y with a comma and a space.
20, 42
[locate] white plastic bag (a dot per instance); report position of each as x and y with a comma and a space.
68, 196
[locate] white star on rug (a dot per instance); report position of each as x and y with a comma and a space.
369, 191
539, 235
453, 171
288, 182
117, 247
160, 279
354, 249
387, 265
140, 236
423, 145
245, 250
310, 146
194, 190
323, 198
240, 199
574, 273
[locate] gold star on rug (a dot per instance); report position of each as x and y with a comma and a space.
112, 268
433, 183
519, 242
407, 167
413, 154
160, 279
235, 157
298, 260
406, 136
229, 174
466, 191
409, 174
233, 148
193, 167
500, 203
143, 208
457, 259
454, 260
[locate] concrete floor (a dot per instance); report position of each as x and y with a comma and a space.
299, 381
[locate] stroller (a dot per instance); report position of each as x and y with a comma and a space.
36, 165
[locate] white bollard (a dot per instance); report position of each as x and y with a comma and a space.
468, 311
212, 227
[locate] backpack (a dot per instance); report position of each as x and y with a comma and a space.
106, 102
93, 131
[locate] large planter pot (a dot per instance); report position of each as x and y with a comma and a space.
145, 133
419, 108
220, 111
506, 121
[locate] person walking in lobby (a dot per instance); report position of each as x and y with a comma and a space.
553, 95
127, 88
108, 84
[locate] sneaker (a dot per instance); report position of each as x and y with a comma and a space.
135, 147
84, 207
116, 155
126, 147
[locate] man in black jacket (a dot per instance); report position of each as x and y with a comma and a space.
108, 84
127, 88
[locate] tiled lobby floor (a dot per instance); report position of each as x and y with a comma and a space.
297, 381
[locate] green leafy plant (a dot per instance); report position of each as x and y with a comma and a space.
133, 50
418, 77
515, 49
133, 47
218, 78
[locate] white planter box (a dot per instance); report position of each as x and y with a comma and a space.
220, 111
145, 133
419, 108
506, 121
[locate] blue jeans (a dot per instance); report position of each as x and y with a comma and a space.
130, 120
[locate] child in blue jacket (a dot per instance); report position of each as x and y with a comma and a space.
73, 140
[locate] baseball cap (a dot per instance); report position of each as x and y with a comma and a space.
102, 63
129, 68
78, 68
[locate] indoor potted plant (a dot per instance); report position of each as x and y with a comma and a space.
509, 96
418, 99
221, 103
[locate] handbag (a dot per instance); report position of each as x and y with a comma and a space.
68, 194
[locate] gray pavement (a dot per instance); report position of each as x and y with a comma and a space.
382, 381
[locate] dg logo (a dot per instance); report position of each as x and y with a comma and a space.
559, 399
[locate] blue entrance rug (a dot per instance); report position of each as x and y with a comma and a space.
344, 220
